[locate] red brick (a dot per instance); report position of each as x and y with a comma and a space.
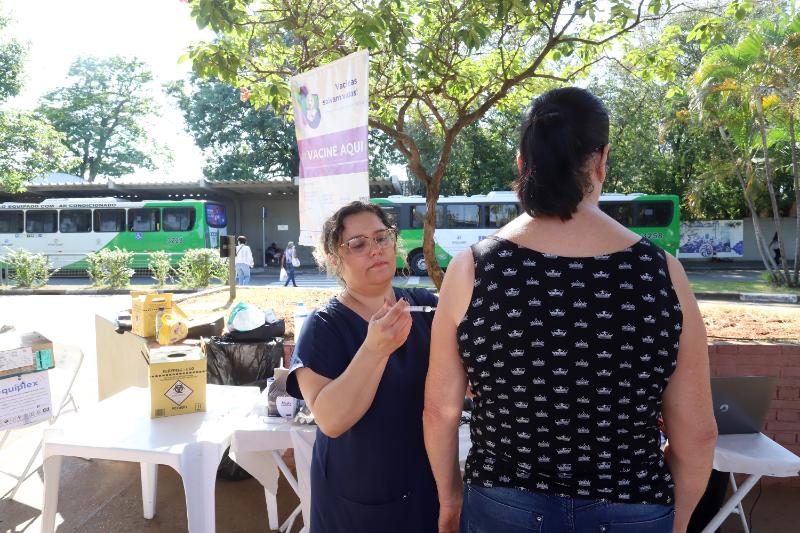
776, 425
785, 404
760, 349
757, 370
723, 360
723, 371
722, 349
791, 360
790, 372
788, 415
790, 349
776, 360
784, 438
789, 382
788, 393
772, 414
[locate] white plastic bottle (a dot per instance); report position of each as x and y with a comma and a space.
300, 315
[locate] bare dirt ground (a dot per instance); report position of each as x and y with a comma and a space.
733, 322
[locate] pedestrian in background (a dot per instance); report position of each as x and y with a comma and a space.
289, 261
243, 261
576, 336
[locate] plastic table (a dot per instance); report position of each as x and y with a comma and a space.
120, 428
753, 454
256, 446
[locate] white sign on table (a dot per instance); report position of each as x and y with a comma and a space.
24, 399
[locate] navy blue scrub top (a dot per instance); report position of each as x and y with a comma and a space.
377, 473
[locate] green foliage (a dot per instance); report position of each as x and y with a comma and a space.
101, 114
199, 266
110, 268
30, 147
12, 62
30, 270
160, 266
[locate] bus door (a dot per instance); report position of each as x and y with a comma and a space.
74, 234
216, 224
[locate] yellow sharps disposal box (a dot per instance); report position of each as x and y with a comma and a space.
177, 381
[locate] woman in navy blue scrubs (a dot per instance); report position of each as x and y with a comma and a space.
360, 364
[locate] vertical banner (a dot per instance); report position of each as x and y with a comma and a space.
331, 110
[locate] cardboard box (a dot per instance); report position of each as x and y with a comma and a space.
24, 400
21, 353
177, 378
144, 308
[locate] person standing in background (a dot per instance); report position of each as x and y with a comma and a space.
289, 262
243, 261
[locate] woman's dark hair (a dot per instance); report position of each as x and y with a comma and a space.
561, 130
334, 226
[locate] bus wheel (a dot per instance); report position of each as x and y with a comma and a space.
416, 262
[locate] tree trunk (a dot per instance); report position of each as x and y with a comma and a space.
776, 216
760, 242
796, 175
428, 244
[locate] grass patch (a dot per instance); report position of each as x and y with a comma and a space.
741, 286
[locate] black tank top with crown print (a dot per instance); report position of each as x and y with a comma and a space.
568, 358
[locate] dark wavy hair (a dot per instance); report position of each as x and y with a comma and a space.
561, 130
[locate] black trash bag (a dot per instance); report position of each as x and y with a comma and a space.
240, 363
263, 332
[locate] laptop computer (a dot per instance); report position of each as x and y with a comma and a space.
741, 403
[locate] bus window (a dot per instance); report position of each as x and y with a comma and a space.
393, 214
109, 220
12, 221
178, 219
216, 217
654, 214
418, 216
618, 211
75, 221
463, 216
498, 215
143, 219
41, 221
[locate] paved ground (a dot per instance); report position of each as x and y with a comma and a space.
104, 496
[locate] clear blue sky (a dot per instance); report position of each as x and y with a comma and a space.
155, 31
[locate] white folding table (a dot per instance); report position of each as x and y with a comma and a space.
753, 454
256, 446
120, 428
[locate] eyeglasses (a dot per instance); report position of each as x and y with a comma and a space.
362, 245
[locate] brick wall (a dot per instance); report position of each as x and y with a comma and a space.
780, 360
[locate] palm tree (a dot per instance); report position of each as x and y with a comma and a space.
732, 85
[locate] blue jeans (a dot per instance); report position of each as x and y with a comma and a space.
290, 271
242, 274
507, 510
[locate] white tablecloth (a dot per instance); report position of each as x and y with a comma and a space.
754, 454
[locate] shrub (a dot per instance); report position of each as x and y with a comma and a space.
30, 270
160, 267
110, 267
199, 266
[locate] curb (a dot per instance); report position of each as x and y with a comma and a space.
83, 292
748, 297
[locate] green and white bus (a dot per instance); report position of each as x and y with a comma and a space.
66, 229
464, 220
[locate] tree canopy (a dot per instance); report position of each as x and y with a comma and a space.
102, 115
30, 146
446, 63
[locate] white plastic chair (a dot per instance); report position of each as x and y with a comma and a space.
68, 360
